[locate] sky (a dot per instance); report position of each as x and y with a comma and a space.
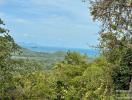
53, 23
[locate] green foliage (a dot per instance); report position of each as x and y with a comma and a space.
122, 74
7, 46
75, 77
115, 37
99, 82
115, 15
82, 81
47, 60
66, 73
75, 58
35, 85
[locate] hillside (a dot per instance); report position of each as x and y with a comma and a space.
46, 59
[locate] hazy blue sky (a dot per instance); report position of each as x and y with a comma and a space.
60, 23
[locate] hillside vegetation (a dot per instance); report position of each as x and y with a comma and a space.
72, 76
47, 60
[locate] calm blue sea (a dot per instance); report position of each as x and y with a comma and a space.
89, 52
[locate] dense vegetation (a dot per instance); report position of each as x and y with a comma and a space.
116, 37
75, 77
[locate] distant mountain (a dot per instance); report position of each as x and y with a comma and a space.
37, 48
48, 55
27, 44
89, 52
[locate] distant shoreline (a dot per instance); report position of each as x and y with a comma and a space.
89, 52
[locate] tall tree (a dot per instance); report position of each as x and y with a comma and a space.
116, 36
7, 46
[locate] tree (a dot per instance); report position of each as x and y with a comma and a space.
78, 79
98, 81
75, 58
115, 16
122, 74
7, 46
115, 34
68, 76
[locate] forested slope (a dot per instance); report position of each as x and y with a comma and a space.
75, 77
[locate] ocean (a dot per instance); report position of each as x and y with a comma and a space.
89, 52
